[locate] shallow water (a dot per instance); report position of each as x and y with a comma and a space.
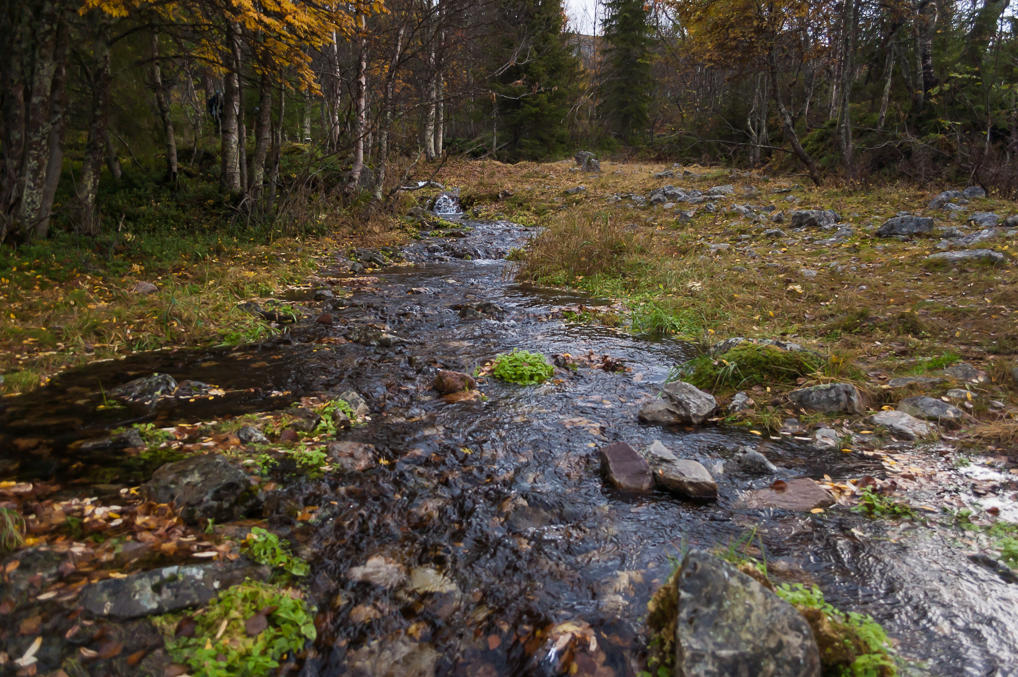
500, 498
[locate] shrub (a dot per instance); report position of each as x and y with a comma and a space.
522, 367
749, 364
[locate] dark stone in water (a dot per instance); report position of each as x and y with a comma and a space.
145, 390
800, 494
447, 382
625, 468
203, 487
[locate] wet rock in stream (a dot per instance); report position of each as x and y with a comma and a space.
146, 390
682, 476
680, 403
725, 624
203, 487
447, 382
801, 495
625, 468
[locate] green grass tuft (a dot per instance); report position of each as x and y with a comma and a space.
749, 364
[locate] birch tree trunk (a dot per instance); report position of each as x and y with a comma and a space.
361, 102
263, 137
230, 155
163, 106
383, 133
431, 111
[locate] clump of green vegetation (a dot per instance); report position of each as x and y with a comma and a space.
310, 459
851, 644
1003, 536
228, 641
1009, 551
934, 363
586, 315
749, 364
265, 547
651, 318
873, 504
522, 367
12, 530
328, 425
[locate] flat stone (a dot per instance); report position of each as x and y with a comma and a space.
164, 590
680, 403
380, 571
352, 456
944, 198
626, 469
907, 381
357, 404
729, 625
251, 435
830, 398
984, 219
931, 409
684, 477
801, 495
740, 402
142, 288
902, 425
905, 226
974, 192
986, 256
966, 372
826, 439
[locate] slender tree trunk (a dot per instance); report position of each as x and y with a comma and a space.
432, 110
926, 23
95, 147
163, 106
361, 102
230, 174
305, 123
56, 147
885, 95
241, 120
383, 133
335, 103
278, 134
112, 161
847, 76
440, 117
263, 137
788, 126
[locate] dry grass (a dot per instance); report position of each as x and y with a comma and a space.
717, 275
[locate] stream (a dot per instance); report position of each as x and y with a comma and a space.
514, 551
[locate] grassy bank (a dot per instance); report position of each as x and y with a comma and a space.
73, 299
703, 275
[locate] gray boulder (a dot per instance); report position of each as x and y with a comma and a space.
164, 590
729, 625
625, 468
834, 398
203, 487
966, 372
974, 192
680, 403
813, 218
931, 409
681, 476
251, 435
902, 425
984, 219
740, 402
984, 256
905, 226
586, 161
941, 200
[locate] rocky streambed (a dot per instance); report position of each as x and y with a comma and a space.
485, 531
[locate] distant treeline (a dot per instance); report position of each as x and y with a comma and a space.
265, 100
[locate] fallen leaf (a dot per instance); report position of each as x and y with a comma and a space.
28, 658
256, 624
110, 649
494, 641
30, 626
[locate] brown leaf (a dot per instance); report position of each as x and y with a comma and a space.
186, 627
779, 485
175, 670
110, 649
256, 624
30, 626
494, 641
136, 657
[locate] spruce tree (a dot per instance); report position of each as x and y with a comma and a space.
626, 83
533, 96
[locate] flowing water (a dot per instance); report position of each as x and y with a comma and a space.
510, 541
